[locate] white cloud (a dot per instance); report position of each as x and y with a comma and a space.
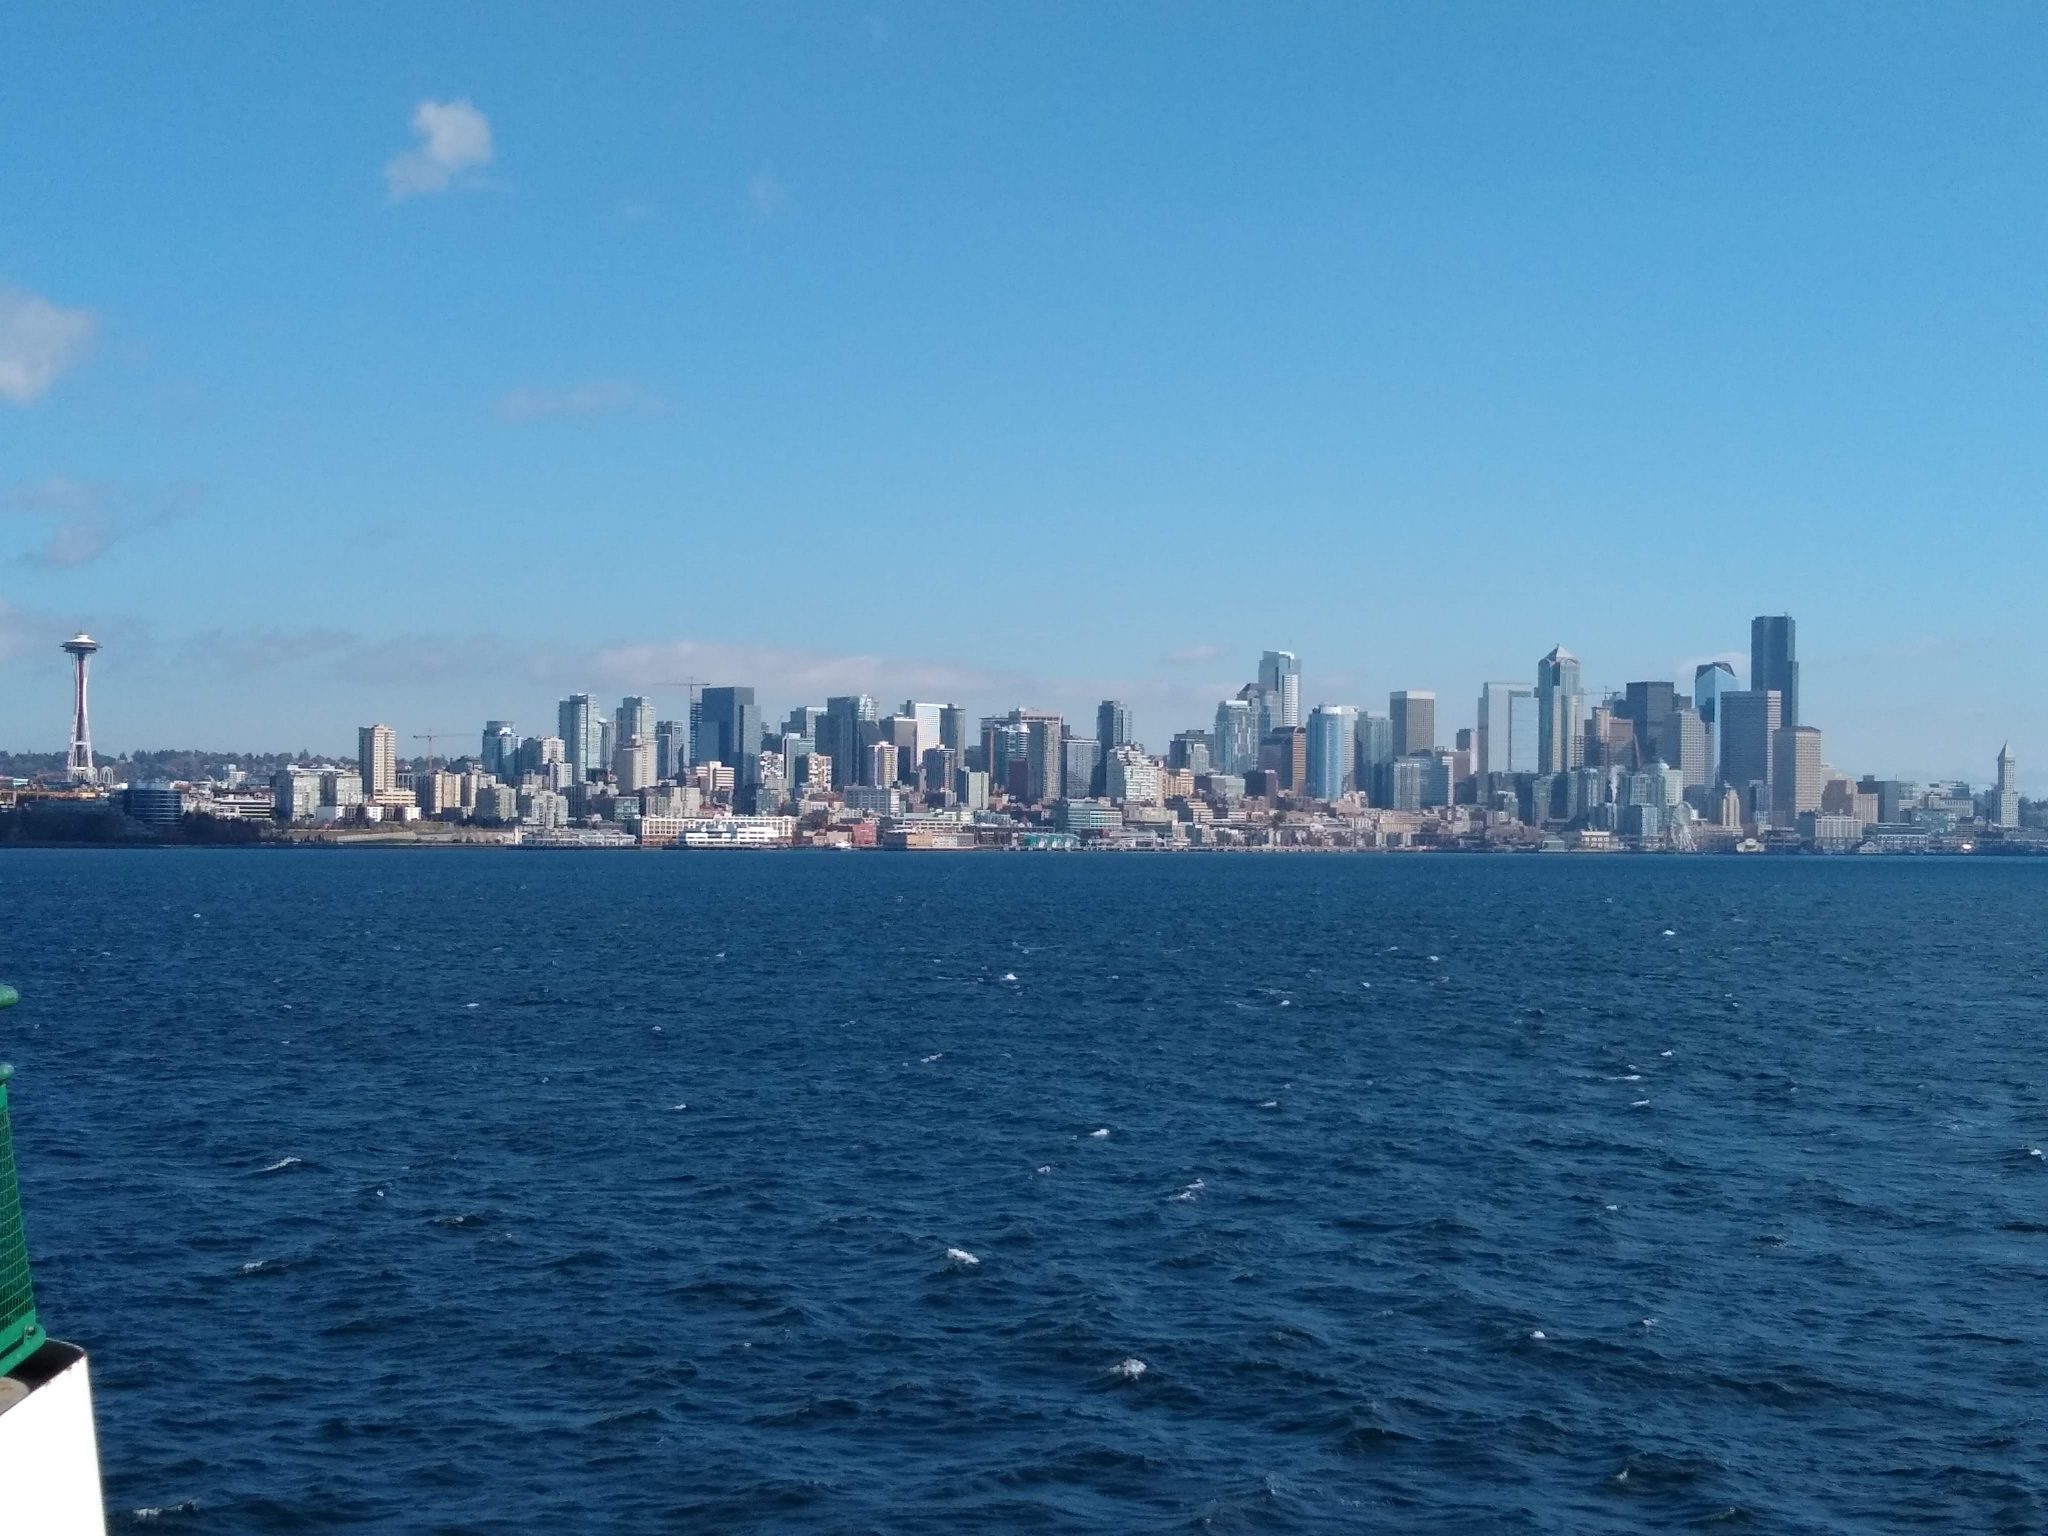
598, 397
38, 341
89, 518
454, 138
766, 197
1192, 655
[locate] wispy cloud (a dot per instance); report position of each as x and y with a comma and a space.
597, 397
88, 518
454, 142
766, 196
1192, 655
38, 341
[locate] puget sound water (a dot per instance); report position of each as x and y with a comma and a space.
488, 1191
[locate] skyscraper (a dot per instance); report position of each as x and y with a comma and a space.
582, 734
1774, 661
1560, 706
1081, 772
634, 717
1280, 680
1711, 679
2005, 795
1235, 743
500, 754
1750, 718
1112, 724
1795, 773
1332, 750
1413, 712
842, 737
377, 756
1375, 751
732, 733
672, 749
1507, 734
953, 728
1045, 778
927, 718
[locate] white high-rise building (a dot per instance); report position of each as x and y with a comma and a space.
377, 755
2005, 800
1131, 777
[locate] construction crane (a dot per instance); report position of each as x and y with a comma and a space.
430, 737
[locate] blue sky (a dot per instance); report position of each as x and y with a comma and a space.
425, 363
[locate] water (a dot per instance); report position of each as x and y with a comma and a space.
481, 1191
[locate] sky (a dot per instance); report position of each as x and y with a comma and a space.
423, 364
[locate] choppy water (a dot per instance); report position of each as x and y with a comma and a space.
487, 1192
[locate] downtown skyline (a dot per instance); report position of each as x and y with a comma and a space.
496, 366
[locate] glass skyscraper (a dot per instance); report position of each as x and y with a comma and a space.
1332, 741
1774, 662
1560, 705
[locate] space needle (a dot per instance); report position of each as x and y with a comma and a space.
80, 648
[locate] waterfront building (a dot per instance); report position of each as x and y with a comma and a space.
1413, 712
1280, 682
1088, 816
1774, 663
1796, 773
2005, 794
883, 799
1560, 706
377, 759
1332, 750
155, 805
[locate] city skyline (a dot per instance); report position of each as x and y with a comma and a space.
515, 358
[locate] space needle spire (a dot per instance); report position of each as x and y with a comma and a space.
80, 648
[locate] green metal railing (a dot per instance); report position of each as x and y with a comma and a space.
20, 1334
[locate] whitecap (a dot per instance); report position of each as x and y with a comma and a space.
1286, 1002
1669, 933
1640, 1104
1129, 1369
1433, 959
1043, 1168
2034, 1152
1269, 1104
1538, 1334
935, 1055
257, 1266
1009, 975
1611, 1207
1190, 1191
1664, 1053
961, 1257
472, 1005
1099, 1135
659, 1030
283, 1163
674, 1107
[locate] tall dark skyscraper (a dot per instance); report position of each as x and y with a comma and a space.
1774, 661
1112, 725
1749, 719
731, 732
1414, 715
